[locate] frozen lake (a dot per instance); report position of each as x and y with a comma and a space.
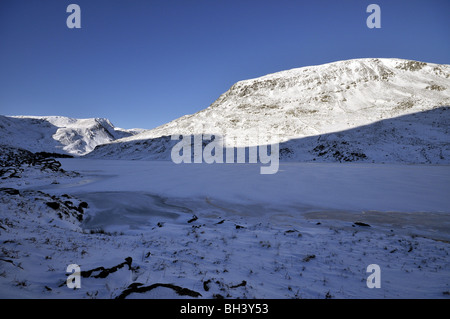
132, 194
354, 187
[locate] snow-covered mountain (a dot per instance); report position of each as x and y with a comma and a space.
58, 134
366, 98
376, 110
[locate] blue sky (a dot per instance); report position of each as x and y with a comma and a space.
144, 63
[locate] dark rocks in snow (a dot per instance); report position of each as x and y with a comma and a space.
102, 272
339, 151
13, 159
285, 152
242, 284
309, 257
64, 209
10, 191
193, 219
361, 224
48, 163
9, 172
206, 284
70, 205
83, 205
53, 155
140, 288
53, 205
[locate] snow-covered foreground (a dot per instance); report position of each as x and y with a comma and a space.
224, 230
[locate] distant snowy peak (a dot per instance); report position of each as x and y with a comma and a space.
317, 100
58, 133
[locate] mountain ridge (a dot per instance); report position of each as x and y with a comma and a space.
58, 134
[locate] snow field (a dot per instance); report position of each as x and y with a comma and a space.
236, 235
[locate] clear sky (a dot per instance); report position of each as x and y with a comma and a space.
145, 63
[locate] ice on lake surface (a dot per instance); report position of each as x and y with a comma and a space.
132, 194
122, 210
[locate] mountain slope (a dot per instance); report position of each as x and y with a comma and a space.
313, 101
421, 137
57, 133
317, 100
